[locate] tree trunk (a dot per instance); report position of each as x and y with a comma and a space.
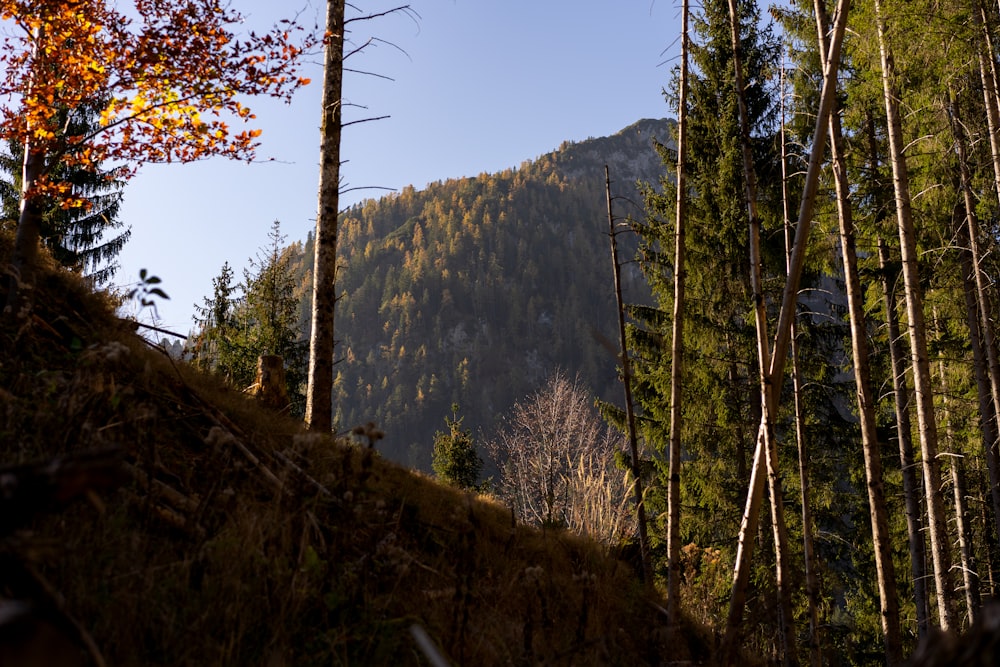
748, 526
677, 344
808, 548
911, 485
768, 398
319, 394
926, 425
633, 441
963, 526
985, 53
988, 340
28, 236
878, 513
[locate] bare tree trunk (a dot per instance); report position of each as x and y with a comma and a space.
926, 425
911, 484
768, 398
878, 513
677, 343
808, 548
982, 302
963, 527
319, 393
633, 440
748, 526
984, 396
985, 53
970, 578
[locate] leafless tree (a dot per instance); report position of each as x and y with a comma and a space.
556, 462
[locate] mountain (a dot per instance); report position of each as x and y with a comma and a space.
473, 290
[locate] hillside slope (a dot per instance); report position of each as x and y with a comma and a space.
473, 290
238, 539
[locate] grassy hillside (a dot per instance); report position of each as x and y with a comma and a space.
238, 539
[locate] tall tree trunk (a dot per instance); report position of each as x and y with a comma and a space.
963, 527
926, 425
633, 440
808, 548
907, 464
768, 398
984, 396
982, 301
878, 512
677, 343
319, 394
749, 523
984, 51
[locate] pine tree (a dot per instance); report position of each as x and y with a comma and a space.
456, 460
234, 330
81, 239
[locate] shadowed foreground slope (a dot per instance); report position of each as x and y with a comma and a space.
239, 539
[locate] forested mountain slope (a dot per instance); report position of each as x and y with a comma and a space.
473, 290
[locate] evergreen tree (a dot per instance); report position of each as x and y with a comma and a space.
81, 239
455, 459
235, 330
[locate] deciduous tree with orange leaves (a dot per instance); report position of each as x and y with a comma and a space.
171, 76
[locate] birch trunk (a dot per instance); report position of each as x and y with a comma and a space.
319, 394
677, 344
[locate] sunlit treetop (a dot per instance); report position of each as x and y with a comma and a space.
170, 77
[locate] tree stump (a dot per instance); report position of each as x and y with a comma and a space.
270, 387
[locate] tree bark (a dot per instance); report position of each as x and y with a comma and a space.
319, 393
633, 440
677, 344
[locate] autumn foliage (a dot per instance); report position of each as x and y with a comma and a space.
171, 78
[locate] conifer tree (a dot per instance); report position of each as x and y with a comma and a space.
455, 458
81, 239
234, 330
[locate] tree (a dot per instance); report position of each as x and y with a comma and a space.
677, 341
81, 239
926, 424
167, 75
556, 462
455, 459
235, 330
319, 393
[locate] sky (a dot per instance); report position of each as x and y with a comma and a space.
469, 86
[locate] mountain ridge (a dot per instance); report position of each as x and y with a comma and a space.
472, 290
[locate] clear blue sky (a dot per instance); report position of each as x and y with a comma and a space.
482, 85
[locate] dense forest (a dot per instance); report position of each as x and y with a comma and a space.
472, 291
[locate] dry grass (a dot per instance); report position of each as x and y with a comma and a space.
223, 561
